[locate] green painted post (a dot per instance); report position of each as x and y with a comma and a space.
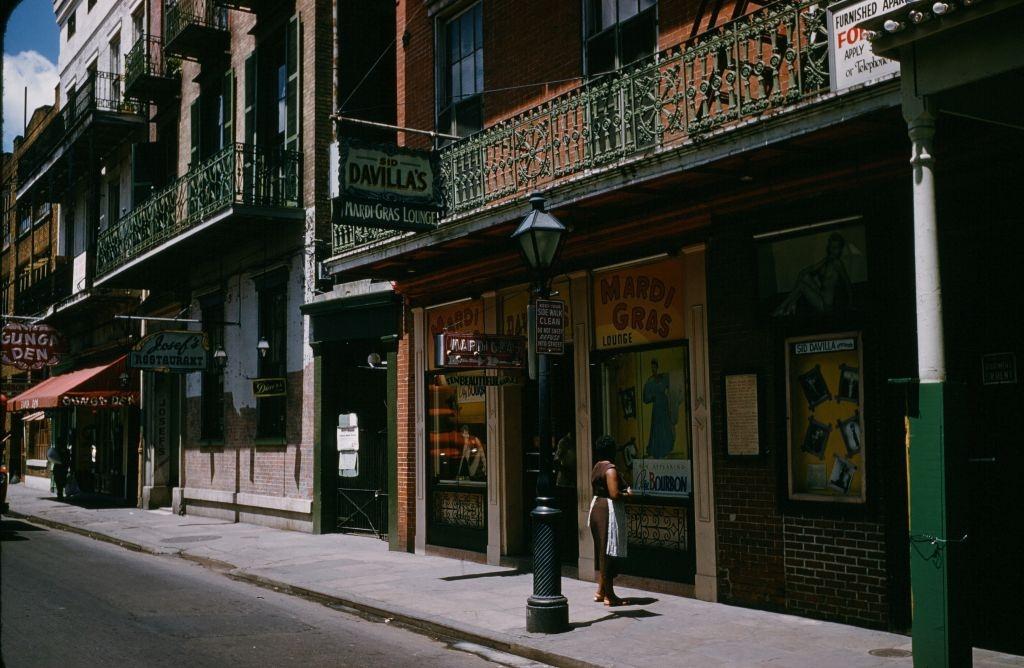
940, 634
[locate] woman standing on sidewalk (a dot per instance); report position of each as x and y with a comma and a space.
607, 519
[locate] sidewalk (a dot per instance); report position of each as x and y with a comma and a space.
479, 603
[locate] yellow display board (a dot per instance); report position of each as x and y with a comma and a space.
639, 305
826, 418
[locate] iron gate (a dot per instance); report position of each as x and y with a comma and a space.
363, 499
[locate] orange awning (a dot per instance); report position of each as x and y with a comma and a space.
95, 387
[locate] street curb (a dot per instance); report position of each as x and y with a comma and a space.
409, 618
493, 639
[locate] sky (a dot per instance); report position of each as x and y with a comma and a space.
30, 60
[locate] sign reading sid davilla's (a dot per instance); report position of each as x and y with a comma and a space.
387, 187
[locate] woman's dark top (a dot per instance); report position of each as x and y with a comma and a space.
600, 482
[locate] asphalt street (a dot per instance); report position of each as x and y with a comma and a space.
71, 601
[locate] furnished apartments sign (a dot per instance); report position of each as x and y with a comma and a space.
30, 347
851, 61
386, 187
171, 351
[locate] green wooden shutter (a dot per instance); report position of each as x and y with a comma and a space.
195, 126
228, 100
249, 131
293, 59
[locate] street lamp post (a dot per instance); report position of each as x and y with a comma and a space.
547, 611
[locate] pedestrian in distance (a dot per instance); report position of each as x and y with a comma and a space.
59, 459
607, 519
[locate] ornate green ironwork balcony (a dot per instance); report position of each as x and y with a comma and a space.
195, 28
764, 63
148, 73
240, 175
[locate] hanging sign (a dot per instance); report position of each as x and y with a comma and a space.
268, 387
30, 347
386, 187
999, 369
482, 351
550, 314
171, 351
850, 60
639, 305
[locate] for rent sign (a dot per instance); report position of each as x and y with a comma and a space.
851, 61
30, 347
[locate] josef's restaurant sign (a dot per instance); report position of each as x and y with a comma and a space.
639, 305
30, 347
171, 351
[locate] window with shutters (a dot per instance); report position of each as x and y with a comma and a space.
619, 32
212, 416
272, 91
460, 109
273, 305
212, 118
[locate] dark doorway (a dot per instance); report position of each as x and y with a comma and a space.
357, 375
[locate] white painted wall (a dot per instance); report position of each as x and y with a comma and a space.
241, 305
91, 41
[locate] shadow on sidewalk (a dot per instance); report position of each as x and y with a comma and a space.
617, 614
90, 501
489, 574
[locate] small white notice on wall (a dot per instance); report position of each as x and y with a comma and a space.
348, 445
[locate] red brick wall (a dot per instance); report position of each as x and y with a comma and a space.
406, 426
239, 466
414, 80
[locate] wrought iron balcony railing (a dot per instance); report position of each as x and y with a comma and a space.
101, 91
238, 175
762, 63
146, 60
186, 14
39, 288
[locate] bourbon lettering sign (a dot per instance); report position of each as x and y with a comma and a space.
483, 351
30, 347
387, 187
268, 387
171, 352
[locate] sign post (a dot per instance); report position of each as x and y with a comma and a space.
550, 327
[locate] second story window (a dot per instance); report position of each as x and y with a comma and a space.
619, 32
273, 313
460, 111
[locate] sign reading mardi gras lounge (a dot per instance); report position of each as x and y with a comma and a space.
30, 347
639, 305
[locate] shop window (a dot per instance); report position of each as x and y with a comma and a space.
619, 32
461, 101
273, 303
457, 429
212, 417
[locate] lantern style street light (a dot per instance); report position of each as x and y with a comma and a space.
220, 357
547, 611
263, 346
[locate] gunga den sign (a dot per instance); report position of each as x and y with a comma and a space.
30, 347
171, 352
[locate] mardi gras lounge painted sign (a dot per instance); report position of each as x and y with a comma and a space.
639, 305
30, 347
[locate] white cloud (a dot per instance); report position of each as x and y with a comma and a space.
31, 69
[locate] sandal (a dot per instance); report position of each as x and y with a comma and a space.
598, 598
614, 601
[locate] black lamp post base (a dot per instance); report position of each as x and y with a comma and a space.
547, 614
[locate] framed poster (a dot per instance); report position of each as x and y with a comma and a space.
825, 418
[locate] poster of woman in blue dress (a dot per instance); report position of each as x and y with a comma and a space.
662, 435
